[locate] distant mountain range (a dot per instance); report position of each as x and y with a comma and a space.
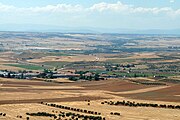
53, 28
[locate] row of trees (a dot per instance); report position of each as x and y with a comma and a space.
95, 76
27, 118
2, 114
72, 109
70, 115
45, 114
79, 116
46, 74
115, 113
147, 82
134, 104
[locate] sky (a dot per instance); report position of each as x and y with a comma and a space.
111, 14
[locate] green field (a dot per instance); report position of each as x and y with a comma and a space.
138, 74
58, 54
27, 66
55, 64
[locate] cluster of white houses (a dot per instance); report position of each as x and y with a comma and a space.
29, 75
9, 74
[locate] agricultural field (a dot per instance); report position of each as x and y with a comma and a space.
58, 76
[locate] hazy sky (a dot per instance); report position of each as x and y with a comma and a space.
136, 14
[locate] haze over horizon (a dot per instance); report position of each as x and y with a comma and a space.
94, 15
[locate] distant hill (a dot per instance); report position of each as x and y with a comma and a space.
53, 28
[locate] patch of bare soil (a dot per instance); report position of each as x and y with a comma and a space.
67, 99
165, 94
113, 86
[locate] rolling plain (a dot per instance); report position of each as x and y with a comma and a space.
51, 76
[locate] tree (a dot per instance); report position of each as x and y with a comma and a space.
22, 76
135, 75
96, 77
9, 75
